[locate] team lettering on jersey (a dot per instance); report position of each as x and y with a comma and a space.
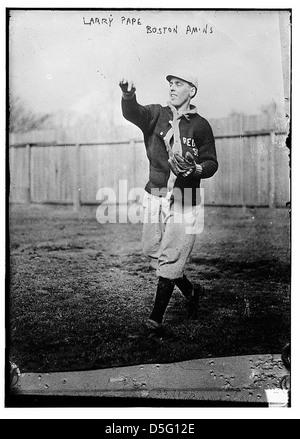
190, 142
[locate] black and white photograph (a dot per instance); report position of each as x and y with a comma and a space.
148, 198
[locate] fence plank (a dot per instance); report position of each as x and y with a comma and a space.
76, 178
12, 167
282, 172
271, 175
18, 175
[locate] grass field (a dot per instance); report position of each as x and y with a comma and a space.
79, 290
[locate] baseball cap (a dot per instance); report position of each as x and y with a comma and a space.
187, 78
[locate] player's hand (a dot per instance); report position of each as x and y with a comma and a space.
127, 86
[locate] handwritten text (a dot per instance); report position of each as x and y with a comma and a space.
137, 21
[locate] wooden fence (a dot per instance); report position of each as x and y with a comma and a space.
253, 171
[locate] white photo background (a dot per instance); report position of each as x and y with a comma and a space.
67, 60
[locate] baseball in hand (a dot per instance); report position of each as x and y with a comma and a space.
127, 86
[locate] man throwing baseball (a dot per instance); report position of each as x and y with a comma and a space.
181, 151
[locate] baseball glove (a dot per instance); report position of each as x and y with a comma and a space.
181, 166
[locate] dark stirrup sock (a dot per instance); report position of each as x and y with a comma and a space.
185, 286
164, 292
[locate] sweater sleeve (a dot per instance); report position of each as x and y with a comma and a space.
138, 114
209, 168
207, 152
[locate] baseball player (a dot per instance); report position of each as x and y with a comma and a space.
181, 151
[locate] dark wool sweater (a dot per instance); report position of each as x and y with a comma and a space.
196, 136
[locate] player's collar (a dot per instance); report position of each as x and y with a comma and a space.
191, 110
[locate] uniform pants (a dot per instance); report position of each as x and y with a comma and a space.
167, 238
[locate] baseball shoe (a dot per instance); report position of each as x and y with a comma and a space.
155, 328
192, 304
